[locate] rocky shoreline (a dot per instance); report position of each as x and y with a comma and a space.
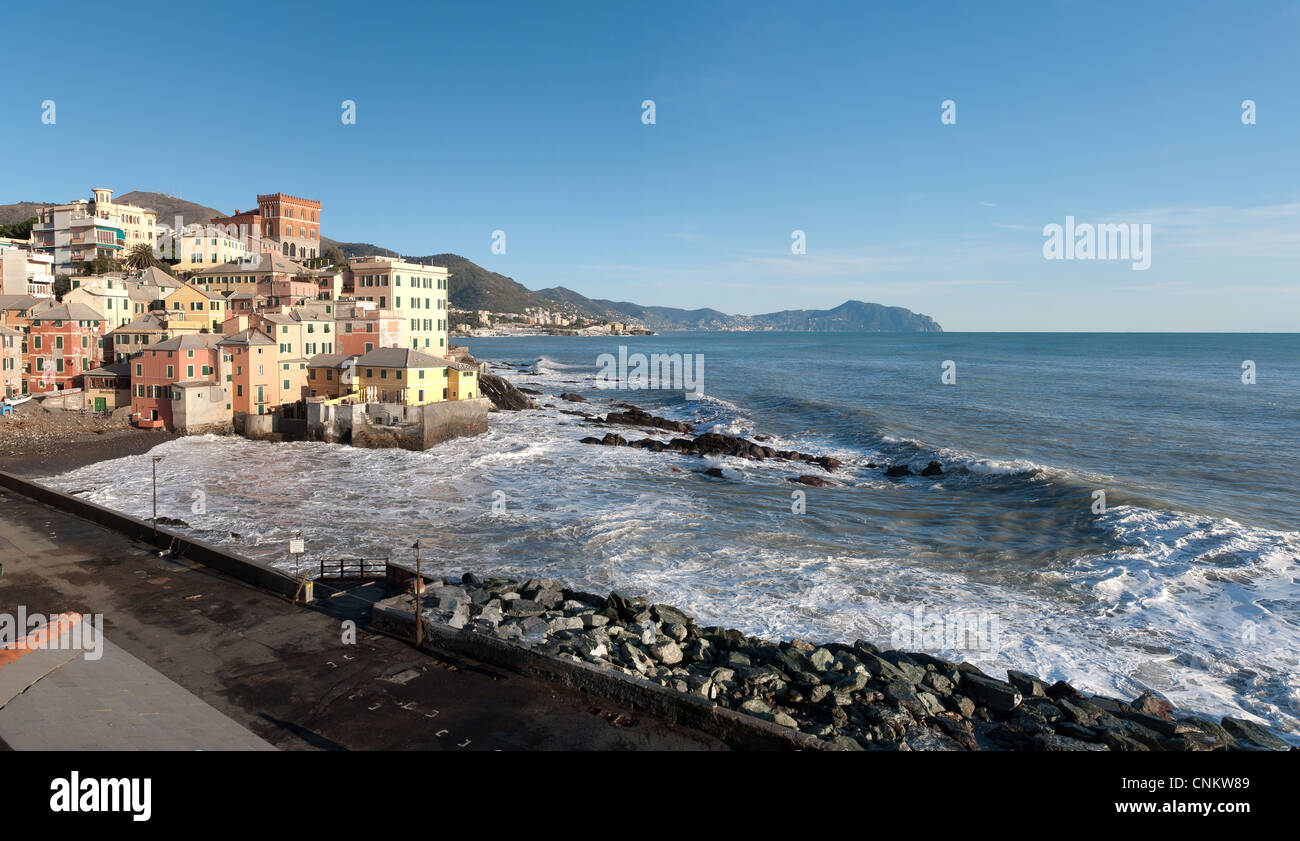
854, 696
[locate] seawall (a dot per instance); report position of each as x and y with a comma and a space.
736, 729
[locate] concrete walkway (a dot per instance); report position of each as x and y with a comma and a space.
115, 702
282, 674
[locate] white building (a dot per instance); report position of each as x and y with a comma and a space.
23, 272
202, 246
85, 229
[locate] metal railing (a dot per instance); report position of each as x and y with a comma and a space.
352, 568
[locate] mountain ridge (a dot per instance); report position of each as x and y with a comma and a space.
473, 287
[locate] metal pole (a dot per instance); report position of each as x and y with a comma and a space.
156, 459
419, 590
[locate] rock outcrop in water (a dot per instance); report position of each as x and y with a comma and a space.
715, 444
856, 696
503, 394
635, 416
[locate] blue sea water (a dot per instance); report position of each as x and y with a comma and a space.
1185, 583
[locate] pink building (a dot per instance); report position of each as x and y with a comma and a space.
191, 358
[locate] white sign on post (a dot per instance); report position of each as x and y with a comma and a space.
296, 546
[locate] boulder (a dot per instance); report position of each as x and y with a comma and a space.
898, 470
934, 468
997, 695
1253, 734
1028, 685
669, 652
1152, 704
503, 394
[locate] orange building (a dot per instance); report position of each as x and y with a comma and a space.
283, 223
361, 329
255, 372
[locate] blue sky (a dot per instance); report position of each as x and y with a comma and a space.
770, 118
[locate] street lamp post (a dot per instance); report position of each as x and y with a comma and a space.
419, 591
156, 459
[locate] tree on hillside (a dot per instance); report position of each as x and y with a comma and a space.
141, 256
334, 256
18, 230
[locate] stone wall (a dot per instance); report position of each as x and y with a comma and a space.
376, 425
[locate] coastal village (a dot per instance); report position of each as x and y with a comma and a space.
245, 328
278, 342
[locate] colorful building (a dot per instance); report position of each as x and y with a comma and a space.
285, 224
106, 295
417, 293
331, 375
85, 229
249, 275
255, 372
24, 271
194, 304
191, 358
362, 327
402, 375
16, 311
108, 387
462, 381
63, 343
11, 362
199, 246
146, 331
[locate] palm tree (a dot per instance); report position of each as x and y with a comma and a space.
141, 256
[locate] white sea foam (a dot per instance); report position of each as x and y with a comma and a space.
1167, 611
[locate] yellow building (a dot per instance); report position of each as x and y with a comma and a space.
245, 275
401, 375
331, 375
462, 381
197, 305
150, 329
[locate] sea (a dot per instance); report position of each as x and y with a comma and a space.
1121, 511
